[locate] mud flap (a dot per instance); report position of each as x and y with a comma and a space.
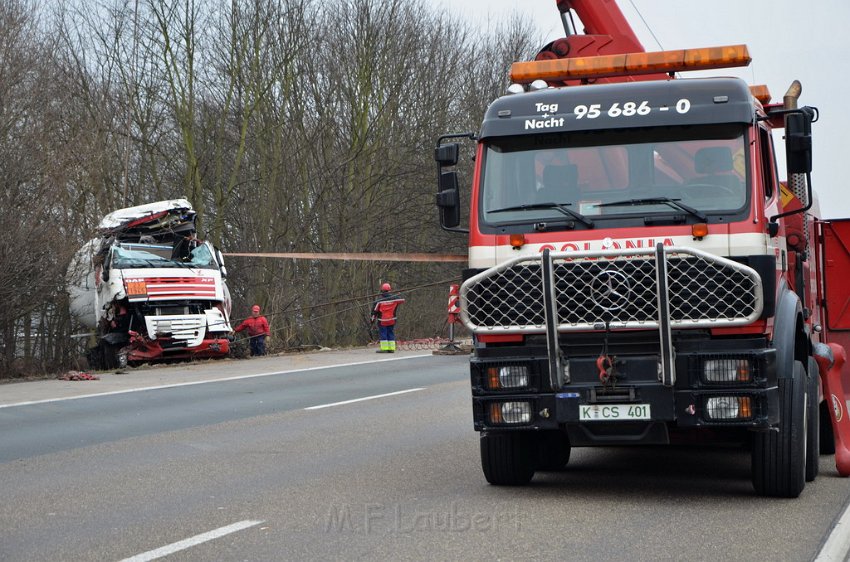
831, 359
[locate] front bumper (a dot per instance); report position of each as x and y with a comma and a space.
683, 406
166, 348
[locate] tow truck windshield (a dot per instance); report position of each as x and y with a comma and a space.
613, 174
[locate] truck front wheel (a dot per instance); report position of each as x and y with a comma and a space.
508, 459
779, 457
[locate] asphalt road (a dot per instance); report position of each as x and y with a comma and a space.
396, 477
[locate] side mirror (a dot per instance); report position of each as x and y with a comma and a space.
105, 267
447, 154
219, 258
448, 200
798, 142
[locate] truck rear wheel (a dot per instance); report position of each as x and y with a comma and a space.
813, 422
508, 459
779, 457
553, 451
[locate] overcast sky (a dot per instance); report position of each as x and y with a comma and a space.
807, 41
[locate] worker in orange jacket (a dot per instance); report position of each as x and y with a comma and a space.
384, 311
258, 329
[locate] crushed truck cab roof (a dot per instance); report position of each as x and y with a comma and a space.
161, 217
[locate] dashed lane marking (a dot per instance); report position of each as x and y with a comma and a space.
320, 406
234, 378
191, 541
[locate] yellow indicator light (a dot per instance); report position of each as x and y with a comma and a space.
579, 68
699, 230
496, 413
761, 93
517, 241
743, 371
493, 378
745, 409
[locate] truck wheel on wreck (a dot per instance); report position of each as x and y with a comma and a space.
95, 358
813, 422
121, 359
508, 459
107, 356
553, 451
779, 457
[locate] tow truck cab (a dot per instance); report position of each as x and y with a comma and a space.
629, 281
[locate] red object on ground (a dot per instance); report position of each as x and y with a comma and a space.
78, 376
829, 365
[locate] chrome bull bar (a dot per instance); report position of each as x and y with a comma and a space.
645, 288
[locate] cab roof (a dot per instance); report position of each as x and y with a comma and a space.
688, 101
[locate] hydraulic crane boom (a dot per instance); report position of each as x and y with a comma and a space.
601, 18
606, 32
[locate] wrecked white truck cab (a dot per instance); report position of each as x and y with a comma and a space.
149, 289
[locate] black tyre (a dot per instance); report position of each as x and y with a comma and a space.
779, 457
109, 353
827, 437
508, 459
812, 422
553, 451
95, 358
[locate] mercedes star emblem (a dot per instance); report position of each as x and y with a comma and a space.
611, 290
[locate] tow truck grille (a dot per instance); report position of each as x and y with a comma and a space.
620, 290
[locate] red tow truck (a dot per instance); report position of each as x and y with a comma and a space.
638, 273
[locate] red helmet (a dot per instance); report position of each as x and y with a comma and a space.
386, 287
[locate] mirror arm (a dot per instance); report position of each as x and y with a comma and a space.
808, 206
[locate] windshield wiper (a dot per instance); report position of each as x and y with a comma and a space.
675, 203
557, 206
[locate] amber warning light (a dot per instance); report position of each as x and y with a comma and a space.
604, 66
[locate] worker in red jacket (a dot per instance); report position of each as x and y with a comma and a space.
258, 328
384, 311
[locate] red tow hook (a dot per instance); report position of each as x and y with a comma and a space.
604, 364
831, 359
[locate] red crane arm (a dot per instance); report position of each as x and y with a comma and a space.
606, 32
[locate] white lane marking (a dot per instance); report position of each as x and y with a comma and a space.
234, 378
191, 541
320, 406
837, 545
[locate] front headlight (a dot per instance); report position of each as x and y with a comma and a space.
510, 376
510, 412
727, 370
729, 408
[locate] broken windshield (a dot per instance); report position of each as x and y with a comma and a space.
131, 256
600, 174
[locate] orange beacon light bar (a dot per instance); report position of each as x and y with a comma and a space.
554, 70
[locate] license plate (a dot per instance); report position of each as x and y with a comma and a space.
613, 412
